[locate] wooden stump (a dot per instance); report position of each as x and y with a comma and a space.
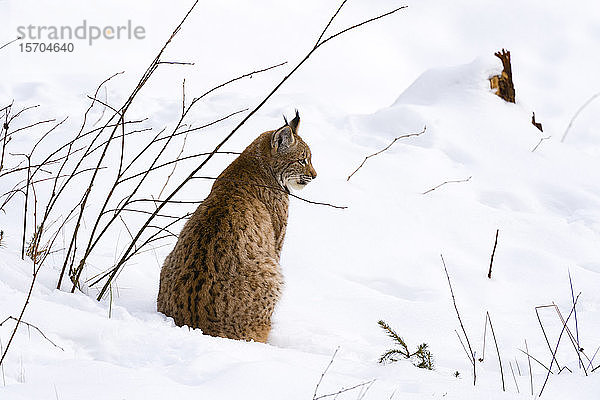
504, 82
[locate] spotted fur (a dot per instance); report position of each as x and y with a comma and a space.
223, 276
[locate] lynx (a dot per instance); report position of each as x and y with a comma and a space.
223, 276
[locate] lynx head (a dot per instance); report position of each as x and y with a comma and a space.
291, 156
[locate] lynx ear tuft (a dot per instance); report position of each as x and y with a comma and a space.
282, 139
295, 123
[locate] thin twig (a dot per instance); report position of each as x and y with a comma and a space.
14, 332
497, 350
277, 189
534, 359
594, 356
588, 101
176, 63
529, 362
558, 342
576, 323
31, 126
387, 147
34, 327
177, 161
324, 372
493, 252
329, 23
364, 390
463, 346
544, 332
11, 42
460, 321
513, 375
540, 142
360, 385
578, 350
446, 182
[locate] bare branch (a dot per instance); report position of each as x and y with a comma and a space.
487, 314
513, 375
276, 189
544, 332
176, 63
578, 347
530, 357
472, 353
176, 161
465, 349
558, 343
529, 362
360, 385
493, 252
540, 142
11, 42
443, 183
324, 372
30, 126
34, 327
587, 103
358, 25
387, 147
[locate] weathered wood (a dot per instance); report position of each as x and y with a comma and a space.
536, 124
504, 82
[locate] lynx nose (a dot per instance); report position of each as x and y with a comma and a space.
313, 173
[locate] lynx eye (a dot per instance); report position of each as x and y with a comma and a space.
303, 162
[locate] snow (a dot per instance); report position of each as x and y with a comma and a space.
345, 269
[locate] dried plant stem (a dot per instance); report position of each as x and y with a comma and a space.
493, 252
535, 359
513, 375
587, 103
578, 347
488, 318
36, 269
529, 362
463, 345
578, 350
11, 42
34, 327
364, 386
471, 353
446, 182
276, 189
360, 385
387, 147
590, 365
324, 372
545, 335
558, 343
177, 161
540, 142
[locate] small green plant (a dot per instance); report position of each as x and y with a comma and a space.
420, 358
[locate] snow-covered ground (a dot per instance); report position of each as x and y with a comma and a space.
344, 268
